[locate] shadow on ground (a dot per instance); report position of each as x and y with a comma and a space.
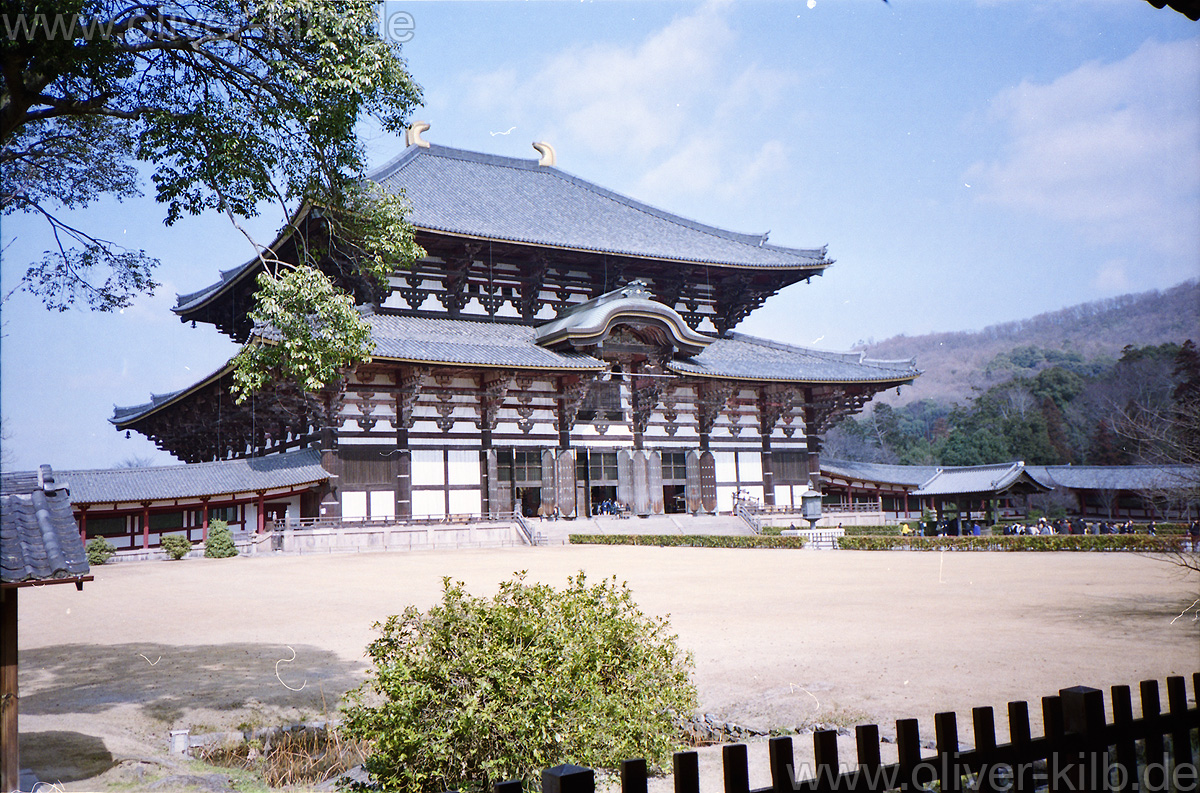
165, 681
61, 756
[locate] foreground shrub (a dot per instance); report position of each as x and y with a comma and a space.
219, 544
479, 690
99, 550
691, 540
176, 547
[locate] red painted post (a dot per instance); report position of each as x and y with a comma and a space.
145, 525
83, 524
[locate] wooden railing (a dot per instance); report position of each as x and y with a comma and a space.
1080, 751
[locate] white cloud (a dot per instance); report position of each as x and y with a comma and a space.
676, 102
1112, 149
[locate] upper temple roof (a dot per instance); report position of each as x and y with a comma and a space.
506, 198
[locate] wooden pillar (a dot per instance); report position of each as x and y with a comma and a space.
83, 524
10, 759
261, 519
145, 525
768, 471
564, 432
204, 530
905, 503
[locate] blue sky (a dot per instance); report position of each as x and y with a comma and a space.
966, 163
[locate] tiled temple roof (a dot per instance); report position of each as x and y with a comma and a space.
39, 540
506, 198
486, 196
469, 343
743, 357
290, 469
983, 479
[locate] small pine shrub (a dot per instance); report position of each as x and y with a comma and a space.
176, 547
219, 544
99, 550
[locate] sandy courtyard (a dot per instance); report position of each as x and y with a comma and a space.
780, 638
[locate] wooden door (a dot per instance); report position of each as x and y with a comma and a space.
654, 475
691, 487
549, 465
625, 479
641, 484
566, 483
708, 482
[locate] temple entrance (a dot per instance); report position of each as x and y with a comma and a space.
530, 499
673, 499
601, 495
674, 479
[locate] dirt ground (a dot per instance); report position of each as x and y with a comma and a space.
780, 638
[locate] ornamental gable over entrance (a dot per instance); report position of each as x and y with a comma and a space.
560, 346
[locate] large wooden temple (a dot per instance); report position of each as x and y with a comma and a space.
559, 346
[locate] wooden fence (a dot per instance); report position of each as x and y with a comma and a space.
1080, 751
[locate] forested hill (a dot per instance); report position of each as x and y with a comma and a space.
956, 364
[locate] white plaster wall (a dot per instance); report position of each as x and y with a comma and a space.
428, 467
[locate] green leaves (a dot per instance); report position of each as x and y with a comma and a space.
309, 330
235, 106
477, 690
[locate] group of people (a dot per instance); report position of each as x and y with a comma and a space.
608, 507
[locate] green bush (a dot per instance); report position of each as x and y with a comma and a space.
99, 550
175, 547
691, 540
219, 544
1057, 542
478, 690
871, 531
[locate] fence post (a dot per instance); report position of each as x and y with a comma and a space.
686, 766
737, 771
908, 745
945, 727
783, 778
1151, 707
507, 786
825, 750
1181, 733
568, 778
1052, 723
1122, 702
866, 736
1019, 738
633, 776
983, 723
1083, 768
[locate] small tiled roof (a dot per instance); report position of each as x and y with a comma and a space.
1120, 477
39, 540
506, 198
223, 477
884, 473
997, 478
743, 357
469, 343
